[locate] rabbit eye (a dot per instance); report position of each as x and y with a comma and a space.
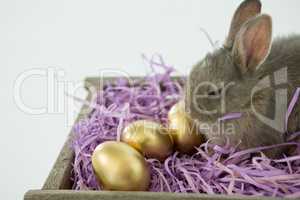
214, 93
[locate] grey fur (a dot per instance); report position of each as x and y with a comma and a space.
220, 66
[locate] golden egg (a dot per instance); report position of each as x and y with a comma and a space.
118, 166
183, 130
149, 138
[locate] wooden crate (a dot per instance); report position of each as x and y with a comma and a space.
58, 184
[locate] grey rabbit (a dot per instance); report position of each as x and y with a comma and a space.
250, 75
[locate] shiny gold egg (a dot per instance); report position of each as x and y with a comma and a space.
149, 138
118, 166
183, 130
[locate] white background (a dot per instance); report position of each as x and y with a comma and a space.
82, 37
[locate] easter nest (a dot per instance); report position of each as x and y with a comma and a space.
212, 169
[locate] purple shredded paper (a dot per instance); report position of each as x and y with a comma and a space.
212, 169
291, 106
230, 116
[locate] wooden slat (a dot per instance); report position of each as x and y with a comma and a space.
113, 195
94, 83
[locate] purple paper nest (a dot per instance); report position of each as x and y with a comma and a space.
225, 171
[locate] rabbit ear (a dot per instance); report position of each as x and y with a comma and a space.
246, 10
252, 43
